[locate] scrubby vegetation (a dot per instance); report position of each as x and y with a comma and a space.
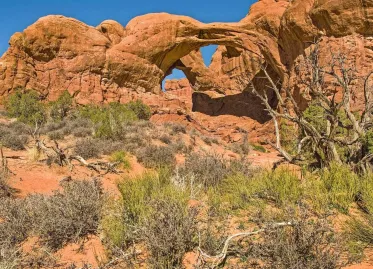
26, 106
64, 217
328, 130
154, 212
222, 211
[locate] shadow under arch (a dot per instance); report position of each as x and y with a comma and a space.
244, 104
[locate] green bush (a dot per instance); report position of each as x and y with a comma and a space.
315, 115
342, 185
26, 106
141, 110
259, 148
360, 228
110, 120
60, 107
369, 142
122, 158
154, 212
238, 191
283, 186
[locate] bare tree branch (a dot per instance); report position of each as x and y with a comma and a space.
216, 260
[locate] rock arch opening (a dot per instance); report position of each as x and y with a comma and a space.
175, 75
215, 97
207, 53
244, 104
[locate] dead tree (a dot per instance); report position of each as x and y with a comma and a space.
216, 260
61, 156
332, 88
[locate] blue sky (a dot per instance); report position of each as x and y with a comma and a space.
15, 16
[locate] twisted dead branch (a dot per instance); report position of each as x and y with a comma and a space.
216, 260
317, 81
62, 157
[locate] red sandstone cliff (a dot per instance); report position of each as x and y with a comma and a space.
111, 62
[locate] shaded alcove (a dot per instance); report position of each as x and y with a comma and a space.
245, 104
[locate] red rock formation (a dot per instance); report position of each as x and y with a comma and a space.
116, 63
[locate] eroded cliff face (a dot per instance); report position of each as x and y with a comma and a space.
111, 62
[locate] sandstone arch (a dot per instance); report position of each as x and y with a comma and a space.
110, 61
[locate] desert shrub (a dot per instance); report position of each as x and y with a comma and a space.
176, 128
281, 185
359, 229
213, 236
208, 140
136, 194
4, 130
14, 141
179, 146
109, 120
68, 215
16, 221
109, 146
122, 158
5, 189
56, 135
341, 185
26, 106
309, 244
233, 193
87, 148
155, 212
11, 139
289, 137
165, 139
238, 191
334, 188
259, 148
365, 194
20, 128
64, 217
170, 232
82, 132
368, 143
242, 147
209, 169
60, 107
9, 258
134, 141
156, 156
52, 126
141, 110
